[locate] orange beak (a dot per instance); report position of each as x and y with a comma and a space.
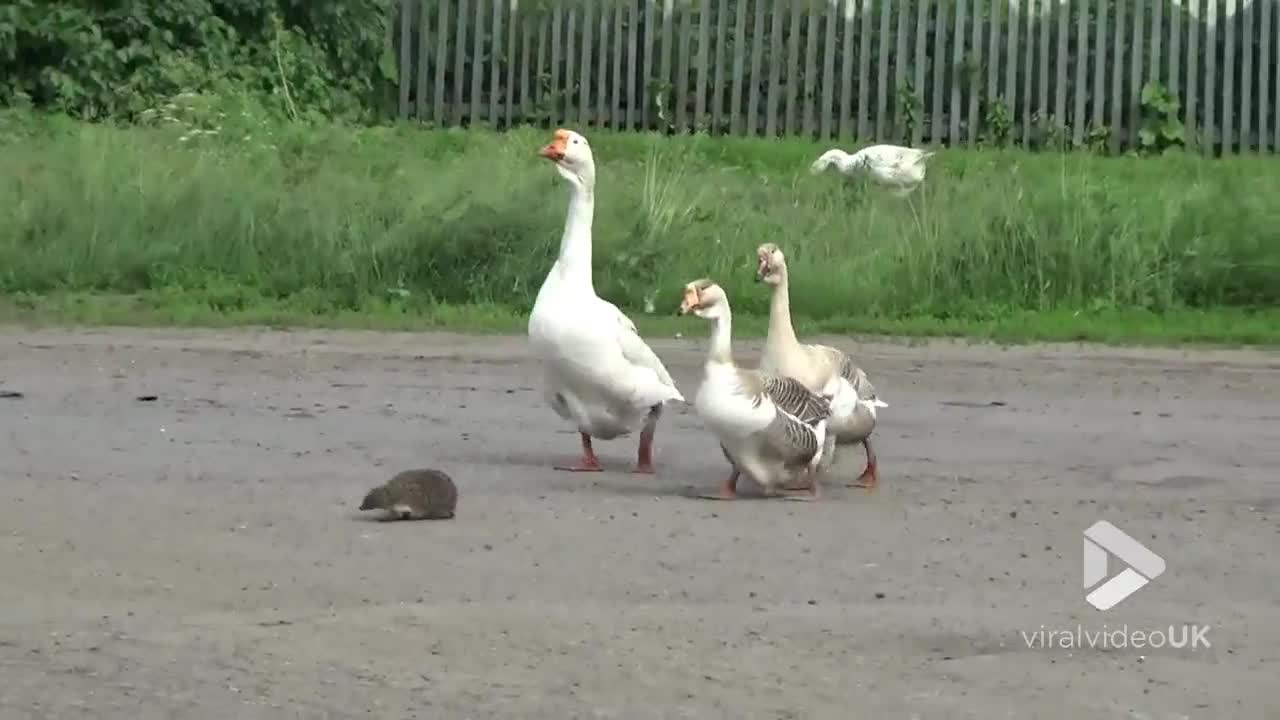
554, 150
690, 301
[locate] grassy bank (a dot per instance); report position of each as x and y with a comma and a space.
205, 221
187, 308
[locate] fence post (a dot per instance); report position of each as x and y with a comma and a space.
406, 56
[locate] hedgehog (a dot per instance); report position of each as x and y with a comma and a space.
414, 495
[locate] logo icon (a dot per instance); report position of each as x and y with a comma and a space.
1103, 539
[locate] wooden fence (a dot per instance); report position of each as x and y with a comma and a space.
1040, 73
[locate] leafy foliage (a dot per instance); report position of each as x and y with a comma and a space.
113, 60
1161, 130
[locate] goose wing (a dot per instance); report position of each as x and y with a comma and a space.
794, 442
637, 351
793, 398
857, 377
787, 394
842, 367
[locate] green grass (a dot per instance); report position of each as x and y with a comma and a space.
1221, 327
409, 228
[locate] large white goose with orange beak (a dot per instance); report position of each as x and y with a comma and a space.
600, 374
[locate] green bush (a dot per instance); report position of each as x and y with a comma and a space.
117, 60
219, 200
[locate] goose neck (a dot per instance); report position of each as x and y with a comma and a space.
720, 349
782, 334
574, 261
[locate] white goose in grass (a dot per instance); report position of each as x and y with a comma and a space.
820, 368
600, 374
772, 428
901, 169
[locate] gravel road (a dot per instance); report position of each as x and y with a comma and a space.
179, 539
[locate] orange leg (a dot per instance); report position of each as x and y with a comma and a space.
589, 463
728, 489
644, 458
808, 492
870, 478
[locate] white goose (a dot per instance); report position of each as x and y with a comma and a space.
901, 169
820, 368
772, 428
600, 374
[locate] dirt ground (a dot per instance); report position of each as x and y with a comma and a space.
200, 555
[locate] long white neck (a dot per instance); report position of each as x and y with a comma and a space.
720, 349
782, 336
574, 262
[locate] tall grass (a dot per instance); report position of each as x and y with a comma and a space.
335, 217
